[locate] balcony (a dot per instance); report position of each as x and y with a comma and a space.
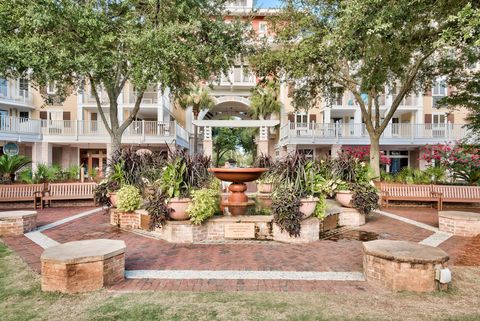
238, 76
9, 95
16, 129
347, 101
356, 134
139, 132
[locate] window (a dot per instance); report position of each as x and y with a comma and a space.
301, 118
439, 89
337, 96
23, 87
398, 160
3, 87
24, 114
51, 88
262, 28
308, 152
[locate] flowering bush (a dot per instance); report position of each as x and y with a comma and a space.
462, 160
363, 154
128, 198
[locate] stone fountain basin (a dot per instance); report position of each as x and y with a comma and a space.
238, 175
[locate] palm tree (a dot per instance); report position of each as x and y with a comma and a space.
199, 98
264, 100
9, 165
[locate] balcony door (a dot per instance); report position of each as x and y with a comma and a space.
4, 123
3, 87
439, 122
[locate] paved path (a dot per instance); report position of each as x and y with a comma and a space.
155, 264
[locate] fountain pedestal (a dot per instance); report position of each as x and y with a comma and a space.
237, 201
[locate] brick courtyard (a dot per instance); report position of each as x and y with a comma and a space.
145, 253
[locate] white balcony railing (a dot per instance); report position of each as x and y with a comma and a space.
394, 133
12, 95
74, 130
17, 125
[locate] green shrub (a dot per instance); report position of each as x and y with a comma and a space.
128, 198
204, 204
365, 198
25, 176
321, 207
286, 210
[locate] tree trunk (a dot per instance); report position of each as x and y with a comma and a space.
375, 155
195, 111
116, 144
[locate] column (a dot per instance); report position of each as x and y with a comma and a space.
357, 122
41, 154
336, 148
207, 141
159, 104
327, 115
262, 144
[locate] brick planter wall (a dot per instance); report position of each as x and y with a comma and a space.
182, 232
350, 217
67, 271
459, 223
125, 220
413, 272
16, 223
309, 232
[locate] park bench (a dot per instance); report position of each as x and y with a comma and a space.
433, 193
21, 192
408, 192
68, 191
457, 194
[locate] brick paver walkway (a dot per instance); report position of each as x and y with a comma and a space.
145, 253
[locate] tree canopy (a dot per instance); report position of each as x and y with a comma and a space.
105, 44
367, 47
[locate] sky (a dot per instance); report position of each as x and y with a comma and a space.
264, 4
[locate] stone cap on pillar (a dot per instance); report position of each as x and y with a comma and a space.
84, 251
458, 215
405, 251
17, 214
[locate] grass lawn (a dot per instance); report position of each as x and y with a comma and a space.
22, 299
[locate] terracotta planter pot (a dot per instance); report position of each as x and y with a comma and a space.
308, 206
344, 198
179, 207
113, 198
265, 188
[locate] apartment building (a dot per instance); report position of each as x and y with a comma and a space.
338, 123
72, 133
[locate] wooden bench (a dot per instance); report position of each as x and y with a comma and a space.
21, 192
407, 192
68, 191
457, 194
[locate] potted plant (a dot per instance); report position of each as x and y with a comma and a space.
128, 199
205, 203
183, 174
265, 183
344, 195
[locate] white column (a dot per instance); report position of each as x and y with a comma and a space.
262, 144
357, 122
336, 148
41, 154
159, 105
207, 141
327, 115
80, 105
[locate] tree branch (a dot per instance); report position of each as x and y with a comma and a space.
99, 105
134, 112
406, 87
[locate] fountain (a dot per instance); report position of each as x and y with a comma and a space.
237, 201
